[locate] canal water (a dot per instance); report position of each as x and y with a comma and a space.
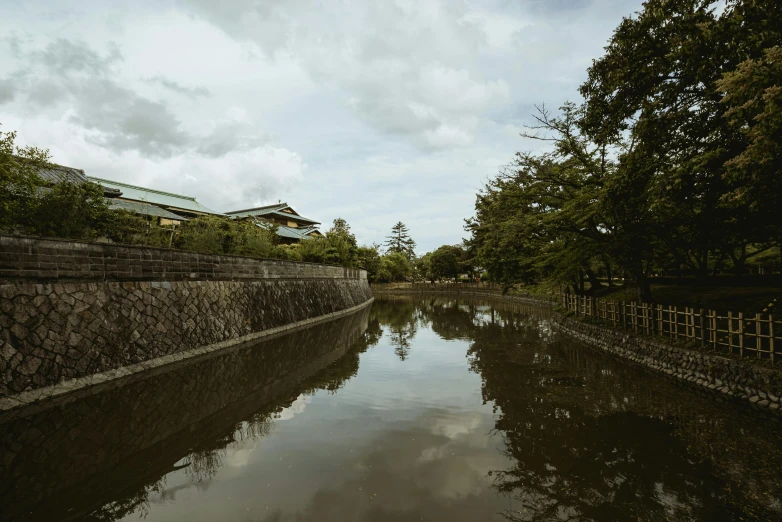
434, 410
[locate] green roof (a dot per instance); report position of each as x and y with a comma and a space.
271, 211
156, 197
294, 233
145, 209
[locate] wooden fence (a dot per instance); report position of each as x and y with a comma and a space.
758, 337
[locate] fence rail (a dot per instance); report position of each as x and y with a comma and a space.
758, 336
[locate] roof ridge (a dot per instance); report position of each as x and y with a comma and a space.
50, 164
191, 198
280, 205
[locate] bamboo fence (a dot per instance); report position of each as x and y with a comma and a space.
758, 336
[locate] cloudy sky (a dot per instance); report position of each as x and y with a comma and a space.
372, 110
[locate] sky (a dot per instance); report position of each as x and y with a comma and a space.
375, 111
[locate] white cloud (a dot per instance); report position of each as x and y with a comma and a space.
371, 110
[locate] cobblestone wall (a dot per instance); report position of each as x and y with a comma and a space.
759, 385
54, 331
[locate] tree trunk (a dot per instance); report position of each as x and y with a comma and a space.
594, 282
608, 274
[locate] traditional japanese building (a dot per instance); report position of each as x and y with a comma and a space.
168, 208
291, 226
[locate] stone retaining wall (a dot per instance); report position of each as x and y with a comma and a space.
52, 331
759, 385
56, 260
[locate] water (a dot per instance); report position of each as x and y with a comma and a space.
436, 410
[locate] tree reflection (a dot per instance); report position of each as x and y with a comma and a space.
590, 439
588, 444
401, 319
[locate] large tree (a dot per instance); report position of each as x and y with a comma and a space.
400, 241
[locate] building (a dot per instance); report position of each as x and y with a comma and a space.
53, 174
168, 208
291, 226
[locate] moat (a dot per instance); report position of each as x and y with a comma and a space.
435, 410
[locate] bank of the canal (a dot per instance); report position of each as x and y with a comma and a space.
436, 408
75, 314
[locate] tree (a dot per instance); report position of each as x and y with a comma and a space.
445, 262
342, 242
19, 182
368, 258
753, 97
394, 267
400, 241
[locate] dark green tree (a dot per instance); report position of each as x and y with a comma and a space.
400, 241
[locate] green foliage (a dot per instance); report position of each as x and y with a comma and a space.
342, 242
71, 210
394, 267
400, 241
219, 235
19, 183
368, 258
288, 252
670, 164
446, 262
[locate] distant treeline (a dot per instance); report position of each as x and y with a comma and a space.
671, 163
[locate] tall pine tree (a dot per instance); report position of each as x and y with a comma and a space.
400, 241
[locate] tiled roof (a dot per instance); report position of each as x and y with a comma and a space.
258, 211
293, 233
157, 197
144, 209
53, 173
271, 211
292, 217
57, 174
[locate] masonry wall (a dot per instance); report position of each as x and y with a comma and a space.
70, 309
759, 385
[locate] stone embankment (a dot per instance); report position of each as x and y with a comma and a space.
742, 379
739, 378
74, 314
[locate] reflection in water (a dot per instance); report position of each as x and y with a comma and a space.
415, 410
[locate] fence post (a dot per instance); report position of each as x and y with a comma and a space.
676, 322
713, 315
623, 314
730, 332
771, 337
703, 328
758, 338
635, 316
741, 334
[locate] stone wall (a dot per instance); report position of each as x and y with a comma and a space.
104, 318
55, 260
759, 385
